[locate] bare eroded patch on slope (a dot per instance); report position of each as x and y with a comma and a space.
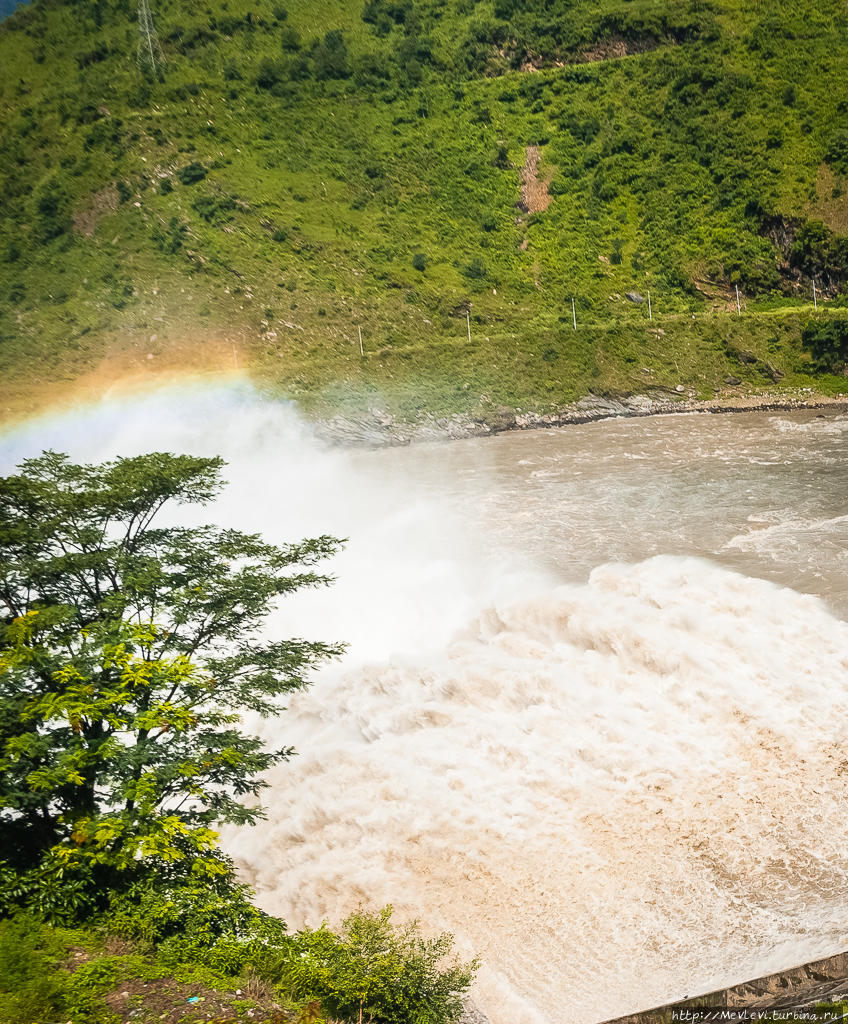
534, 190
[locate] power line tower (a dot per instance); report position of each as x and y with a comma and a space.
150, 55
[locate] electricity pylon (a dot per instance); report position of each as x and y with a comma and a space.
150, 54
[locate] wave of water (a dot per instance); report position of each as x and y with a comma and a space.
616, 788
616, 793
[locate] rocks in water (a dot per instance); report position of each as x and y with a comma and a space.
634, 297
733, 381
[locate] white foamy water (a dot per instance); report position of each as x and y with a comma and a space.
593, 715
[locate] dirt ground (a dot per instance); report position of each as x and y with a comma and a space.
534, 191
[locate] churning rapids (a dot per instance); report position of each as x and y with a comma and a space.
593, 715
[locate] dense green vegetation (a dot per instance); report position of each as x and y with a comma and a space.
287, 174
223, 961
128, 654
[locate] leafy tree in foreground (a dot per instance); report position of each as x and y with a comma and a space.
128, 652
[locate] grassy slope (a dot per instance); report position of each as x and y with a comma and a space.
87, 976
319, 194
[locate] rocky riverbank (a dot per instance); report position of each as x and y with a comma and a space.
379, 429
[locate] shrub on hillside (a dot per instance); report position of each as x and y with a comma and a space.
52, 210
268, 73
329, 59
192, 173
837, 151
170, 239
827, 341
289, 39
818, 250
215, 209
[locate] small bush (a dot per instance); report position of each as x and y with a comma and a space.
289, 39
192, 173
53, 210
475, 270
837, 151
419, 261
330, 57
215, 209
171, 239
269, 73
376, 971
827, 341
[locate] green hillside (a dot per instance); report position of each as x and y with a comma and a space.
259, 182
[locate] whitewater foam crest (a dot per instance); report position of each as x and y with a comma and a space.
820, 425
628, 786
615, 792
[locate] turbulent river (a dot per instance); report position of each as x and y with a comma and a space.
593, 714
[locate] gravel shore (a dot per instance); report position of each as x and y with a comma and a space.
379, 429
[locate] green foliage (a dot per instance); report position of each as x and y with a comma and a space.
837, 151
330, 58
188, 921
215, 209
192, 173
820, 252
181, 933
170, 240
475, 270
34, 989
827, 340
55, 895
419, 261
52, 210
373, 970
29, 992
127, 658
708, 138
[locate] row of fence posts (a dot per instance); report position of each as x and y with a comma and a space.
574, 313
651, 314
